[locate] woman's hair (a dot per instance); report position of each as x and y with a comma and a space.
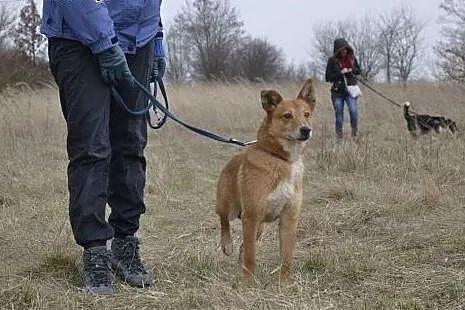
339, 51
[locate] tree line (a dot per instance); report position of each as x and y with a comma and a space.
207, 41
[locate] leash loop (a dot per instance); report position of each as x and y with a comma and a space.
161, 121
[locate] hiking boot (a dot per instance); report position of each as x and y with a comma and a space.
354, 132
97, 275
126, 262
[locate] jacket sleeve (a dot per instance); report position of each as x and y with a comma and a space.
159, 33
356, 70
158, 46
90, 22
333, 73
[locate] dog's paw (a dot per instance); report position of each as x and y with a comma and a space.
227, 247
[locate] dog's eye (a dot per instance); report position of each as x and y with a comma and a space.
288, 115
307, 114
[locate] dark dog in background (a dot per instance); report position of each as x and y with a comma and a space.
427, 123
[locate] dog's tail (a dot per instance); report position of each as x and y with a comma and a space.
410, 118
406, 109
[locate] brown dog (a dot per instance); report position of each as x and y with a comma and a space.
264, 183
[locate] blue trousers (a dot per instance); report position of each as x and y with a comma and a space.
105, 144
338, 105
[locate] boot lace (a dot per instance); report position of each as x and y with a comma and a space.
131, 257
97, 268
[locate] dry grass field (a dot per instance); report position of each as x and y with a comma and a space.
382, 227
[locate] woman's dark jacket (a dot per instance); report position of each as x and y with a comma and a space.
333, 70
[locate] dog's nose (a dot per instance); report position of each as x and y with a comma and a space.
305, 132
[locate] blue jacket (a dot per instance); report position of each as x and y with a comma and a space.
100, 24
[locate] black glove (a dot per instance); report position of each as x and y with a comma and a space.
113, 66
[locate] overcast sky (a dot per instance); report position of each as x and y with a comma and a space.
288, 23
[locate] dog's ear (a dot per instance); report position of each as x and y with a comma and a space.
452, 125
270, 99
307, 93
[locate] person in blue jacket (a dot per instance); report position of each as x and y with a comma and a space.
95, 45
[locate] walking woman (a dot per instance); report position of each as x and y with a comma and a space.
341, 71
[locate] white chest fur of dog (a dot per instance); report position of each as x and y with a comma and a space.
286, 191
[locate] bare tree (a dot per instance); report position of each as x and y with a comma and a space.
451, 48
27, 37
401, 42
212, 29
322, 47
258, 59
6, 21
365, 38
389, 28
178, 56
408, 44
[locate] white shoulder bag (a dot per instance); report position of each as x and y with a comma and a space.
354, 90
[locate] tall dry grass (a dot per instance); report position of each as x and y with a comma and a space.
382, 225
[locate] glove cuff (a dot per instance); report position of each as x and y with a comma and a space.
111, 56
159, 50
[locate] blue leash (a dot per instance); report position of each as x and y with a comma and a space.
156, 104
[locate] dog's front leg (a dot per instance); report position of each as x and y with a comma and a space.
287, 240
250, 225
